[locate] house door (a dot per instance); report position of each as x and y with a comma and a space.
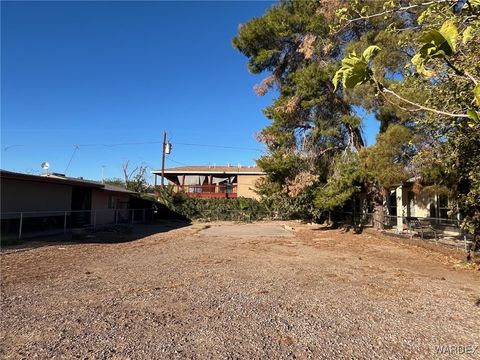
411, 204
81, 206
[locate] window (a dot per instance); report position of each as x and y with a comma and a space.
444, 207
393, 203
411, 204
111, 202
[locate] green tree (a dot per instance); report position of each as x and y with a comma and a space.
347, 178
310, 123
115, 181
437, 87
412, 64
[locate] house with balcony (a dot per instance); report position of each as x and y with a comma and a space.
213, 181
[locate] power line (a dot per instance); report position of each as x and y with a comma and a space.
7, 147
220, 146
71, 158
175, 161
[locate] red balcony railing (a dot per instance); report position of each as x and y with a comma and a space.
209, 191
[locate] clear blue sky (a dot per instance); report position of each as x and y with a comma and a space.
115, 72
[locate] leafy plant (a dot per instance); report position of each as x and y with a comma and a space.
355, 70
239, 209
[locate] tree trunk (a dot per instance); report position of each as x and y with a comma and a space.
379, 217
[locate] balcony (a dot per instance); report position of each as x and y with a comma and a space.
227, 191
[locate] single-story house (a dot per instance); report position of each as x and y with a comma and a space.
214, 181
55, 199
404, 204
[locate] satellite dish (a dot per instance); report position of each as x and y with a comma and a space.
45, 165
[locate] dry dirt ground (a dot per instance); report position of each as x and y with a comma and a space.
238, 291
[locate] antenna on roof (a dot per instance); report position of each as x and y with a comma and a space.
103, 173
45, 165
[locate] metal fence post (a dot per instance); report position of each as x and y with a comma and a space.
65, 223
133, 213
94, 219
20, 227
116, 216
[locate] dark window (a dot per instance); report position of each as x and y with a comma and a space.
111, 202
444, 207
393, 203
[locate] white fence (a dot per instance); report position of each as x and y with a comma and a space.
37, 223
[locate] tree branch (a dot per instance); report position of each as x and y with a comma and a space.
418, 106
399, 9
460, 72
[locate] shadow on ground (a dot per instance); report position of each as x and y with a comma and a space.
109, 235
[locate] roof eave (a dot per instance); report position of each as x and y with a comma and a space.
204, 172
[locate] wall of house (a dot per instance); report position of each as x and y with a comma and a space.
18, 195
412, 204
105, 207
246, 185
422, 204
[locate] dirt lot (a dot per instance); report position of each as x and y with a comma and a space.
231, 291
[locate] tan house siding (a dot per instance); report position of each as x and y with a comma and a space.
19, 195
414, 204
246, 186
101, 202
422, 205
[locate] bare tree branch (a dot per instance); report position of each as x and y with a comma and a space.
389, 11
418, 106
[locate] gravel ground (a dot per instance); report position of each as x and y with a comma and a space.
202, 293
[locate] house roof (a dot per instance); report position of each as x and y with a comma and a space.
62, 180
211, 169
109, 187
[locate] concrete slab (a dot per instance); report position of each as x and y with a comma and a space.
248, 230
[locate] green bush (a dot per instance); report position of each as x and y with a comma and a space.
239, 209
283, 207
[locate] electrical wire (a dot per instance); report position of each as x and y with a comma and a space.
78, 146
71, 158
175, 161
220, 146
7, 147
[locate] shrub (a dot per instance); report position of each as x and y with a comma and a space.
239, 209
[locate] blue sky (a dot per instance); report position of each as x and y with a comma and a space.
88, 73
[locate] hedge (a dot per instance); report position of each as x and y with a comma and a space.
239, 209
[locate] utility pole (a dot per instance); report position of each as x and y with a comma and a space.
163, 156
